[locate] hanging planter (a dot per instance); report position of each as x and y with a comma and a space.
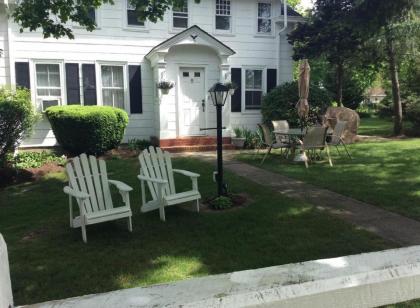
232, 87
164, 86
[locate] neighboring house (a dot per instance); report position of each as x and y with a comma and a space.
120, 63
375, 95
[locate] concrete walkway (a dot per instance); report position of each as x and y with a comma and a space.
391, 226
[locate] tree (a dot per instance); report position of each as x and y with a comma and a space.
328, 35
54, 16
394, 27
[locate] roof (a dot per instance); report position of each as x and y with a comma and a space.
194, 29
290, 11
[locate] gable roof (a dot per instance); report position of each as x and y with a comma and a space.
190, 35
290, 11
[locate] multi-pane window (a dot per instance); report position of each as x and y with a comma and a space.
112, 86
264, 17
92, 14
132, 16
223, 17
180, 16
48, 80
253, 89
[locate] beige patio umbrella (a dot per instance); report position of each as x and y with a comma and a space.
302, 105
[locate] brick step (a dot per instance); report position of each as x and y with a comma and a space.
197, 148
192, 141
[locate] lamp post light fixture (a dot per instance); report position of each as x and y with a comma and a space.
219, 94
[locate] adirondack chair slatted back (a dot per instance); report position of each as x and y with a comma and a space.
338, 132
156, 164
89, 175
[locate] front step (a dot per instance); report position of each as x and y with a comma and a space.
192, 141
197, 148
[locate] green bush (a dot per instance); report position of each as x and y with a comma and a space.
17, 117
412, 111
280, 104
87, 129
138, 144
24, 160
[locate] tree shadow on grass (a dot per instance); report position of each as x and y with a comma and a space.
54, 263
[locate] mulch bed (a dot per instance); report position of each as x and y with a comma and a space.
239, 201
10, 176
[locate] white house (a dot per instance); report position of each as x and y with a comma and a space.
120, 63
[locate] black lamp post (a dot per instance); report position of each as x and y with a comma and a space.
219, 93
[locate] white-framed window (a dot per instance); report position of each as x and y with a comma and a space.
112, 86
223, 15
132, 17
180, 16
254, 88
48, 84
264, 20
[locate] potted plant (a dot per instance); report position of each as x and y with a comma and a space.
239, 139
232, 87
164, 86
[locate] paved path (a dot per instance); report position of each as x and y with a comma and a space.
391, 226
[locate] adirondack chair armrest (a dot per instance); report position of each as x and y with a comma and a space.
120, 185
75, 193
186, 173
157, 181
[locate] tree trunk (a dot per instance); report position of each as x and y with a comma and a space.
396, 96
339, 83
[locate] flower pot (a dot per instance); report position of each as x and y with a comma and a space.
164, 91
231, 92
238, 142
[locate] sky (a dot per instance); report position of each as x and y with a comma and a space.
306, 4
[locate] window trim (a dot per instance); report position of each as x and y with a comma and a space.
232, 10
263, 70
62, 99
127, 27
265, 34
98, 72
171, 21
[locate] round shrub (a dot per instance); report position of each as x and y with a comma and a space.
17, 117
87, 129
280, 103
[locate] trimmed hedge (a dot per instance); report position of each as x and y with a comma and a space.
280, 103
87, 129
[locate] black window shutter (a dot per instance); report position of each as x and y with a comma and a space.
236, 99
22, 74
72, 84
89, 84
271, 79
136, 98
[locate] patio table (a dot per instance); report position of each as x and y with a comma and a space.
292, 134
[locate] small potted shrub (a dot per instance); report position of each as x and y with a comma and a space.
164, 86
232, 87
239, 139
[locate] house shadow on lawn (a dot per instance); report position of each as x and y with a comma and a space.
49, 260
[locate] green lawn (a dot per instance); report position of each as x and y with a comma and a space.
386, 174
376, 126
49, 260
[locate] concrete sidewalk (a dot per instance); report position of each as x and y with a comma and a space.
391, 226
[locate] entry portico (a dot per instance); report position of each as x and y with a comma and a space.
194, 60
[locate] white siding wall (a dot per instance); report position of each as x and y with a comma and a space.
115, 42
4, 59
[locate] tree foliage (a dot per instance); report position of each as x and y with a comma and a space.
54, 17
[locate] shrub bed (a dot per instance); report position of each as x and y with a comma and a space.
280, 103
87, 129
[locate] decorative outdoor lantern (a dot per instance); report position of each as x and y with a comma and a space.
219, 94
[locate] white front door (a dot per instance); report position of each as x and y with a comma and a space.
191, 101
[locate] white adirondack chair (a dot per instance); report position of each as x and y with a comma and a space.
156, 170
90, 186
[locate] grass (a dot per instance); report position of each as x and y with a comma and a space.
48, 260
386, 174
376, 126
